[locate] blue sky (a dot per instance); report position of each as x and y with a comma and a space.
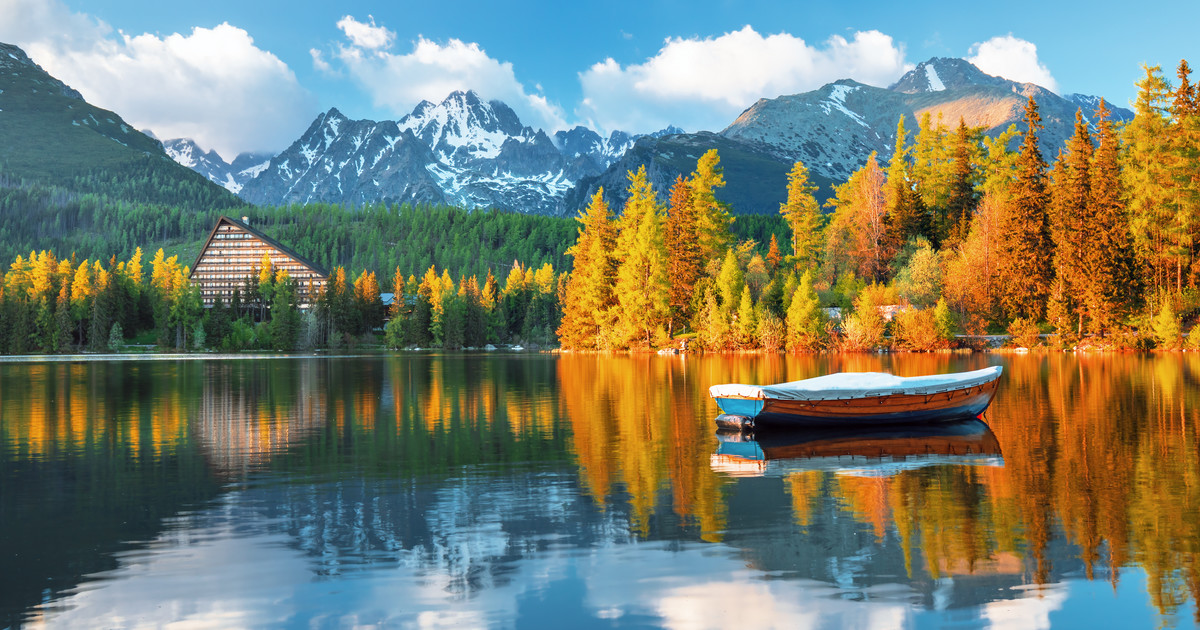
251, 74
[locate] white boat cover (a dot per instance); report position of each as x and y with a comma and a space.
845, 385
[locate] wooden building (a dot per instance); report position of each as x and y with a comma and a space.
233, 253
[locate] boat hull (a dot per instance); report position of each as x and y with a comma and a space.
868, 410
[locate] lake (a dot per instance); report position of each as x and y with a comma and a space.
544, 491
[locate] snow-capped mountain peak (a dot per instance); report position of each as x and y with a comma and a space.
464, 150
232, 175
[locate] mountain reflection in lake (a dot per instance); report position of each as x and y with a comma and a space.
547, 491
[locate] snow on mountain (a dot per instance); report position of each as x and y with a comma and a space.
463, 151
935, 82
1089, 105
232, 176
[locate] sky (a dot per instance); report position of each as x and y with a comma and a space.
251, 75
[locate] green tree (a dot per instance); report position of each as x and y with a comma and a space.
963, 198
803, 216
712, 218
805, 320
906, 213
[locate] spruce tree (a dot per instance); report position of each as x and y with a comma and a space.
1114, 277
1025, 247
962, 200
1071, 224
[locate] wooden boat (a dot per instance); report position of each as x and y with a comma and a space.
857, 398
859, 451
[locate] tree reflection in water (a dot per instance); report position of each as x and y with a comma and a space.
466, 471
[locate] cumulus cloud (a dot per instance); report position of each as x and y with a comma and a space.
705, 83
212, 85
366, 35
431, 71
1012, 58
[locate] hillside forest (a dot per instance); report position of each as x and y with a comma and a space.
956, 232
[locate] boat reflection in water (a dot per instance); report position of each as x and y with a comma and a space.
874, 452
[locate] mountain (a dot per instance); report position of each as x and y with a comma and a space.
51, 135
231, 176
463, 151
835, 128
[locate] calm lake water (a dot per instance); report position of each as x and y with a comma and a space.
536, 491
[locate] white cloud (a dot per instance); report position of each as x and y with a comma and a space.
1012, 58
705, 83
366, 35
212, 85
431, 71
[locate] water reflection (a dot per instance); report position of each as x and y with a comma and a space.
525, 491
862, 451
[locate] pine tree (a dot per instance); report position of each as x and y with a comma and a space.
803, 216
1024, 240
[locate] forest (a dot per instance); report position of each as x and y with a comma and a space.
956, 236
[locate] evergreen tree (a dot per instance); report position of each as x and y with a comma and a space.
1024, 240
906, 213
63, 323
1071, 224
962, 200
803, 216
1114, 279
285, 317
